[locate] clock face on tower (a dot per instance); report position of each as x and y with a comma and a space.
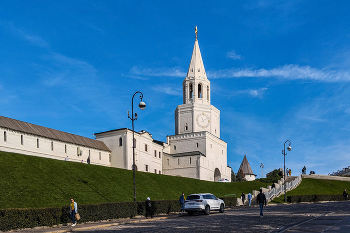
203, 120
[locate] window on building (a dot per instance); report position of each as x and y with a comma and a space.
37, 143
199, 90
5, 136
155, 171
208, 93
51, 145
186, 126
110, 158
155, 153
174, 147
65, 149
120, 142
197, 144
211, 145
222, 152
191, 90
78, 151
146, 147
178, 161
146, 168
160, 172
89, 152
160, 154
21, 139
190, 160
167, 161
99, 155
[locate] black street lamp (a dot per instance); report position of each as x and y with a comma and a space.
133, 117
289, 148
262, 170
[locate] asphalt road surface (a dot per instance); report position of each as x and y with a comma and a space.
315, 217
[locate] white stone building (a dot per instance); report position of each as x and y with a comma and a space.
29, 139
195, 151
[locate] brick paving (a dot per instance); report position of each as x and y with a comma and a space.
291, 218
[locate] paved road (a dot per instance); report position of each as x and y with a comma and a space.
318, 217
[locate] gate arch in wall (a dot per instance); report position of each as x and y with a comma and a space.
217, 175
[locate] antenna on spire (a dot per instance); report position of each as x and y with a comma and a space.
196, 31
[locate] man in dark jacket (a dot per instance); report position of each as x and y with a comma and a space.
345, 194
148, 208
261, 200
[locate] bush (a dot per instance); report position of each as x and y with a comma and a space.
315, 198
28, 218
229, 201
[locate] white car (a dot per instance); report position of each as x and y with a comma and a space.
203, 202
223, 180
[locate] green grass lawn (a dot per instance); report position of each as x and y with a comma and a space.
29, 181
314, 187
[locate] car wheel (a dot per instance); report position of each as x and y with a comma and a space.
190, 213
207, 210
222, 208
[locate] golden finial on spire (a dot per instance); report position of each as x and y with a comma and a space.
196, 31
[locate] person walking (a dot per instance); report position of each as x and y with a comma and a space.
243, 197
345, 194
249, 198
287, 172
290, 172
73, 209
261, 200
148, 208
182, 202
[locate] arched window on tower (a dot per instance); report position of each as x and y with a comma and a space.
208, 93
191, 91
200, 90
186, 127
120, 141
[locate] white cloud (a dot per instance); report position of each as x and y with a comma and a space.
252, 92
232, 54
167, 90
167, 72
291, 72
33, 39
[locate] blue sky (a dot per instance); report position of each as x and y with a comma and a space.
278, 69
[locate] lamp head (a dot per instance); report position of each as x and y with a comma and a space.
142, 105
289, 148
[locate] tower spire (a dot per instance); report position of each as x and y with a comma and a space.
196, 31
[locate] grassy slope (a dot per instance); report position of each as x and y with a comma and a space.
314, 186
28, 181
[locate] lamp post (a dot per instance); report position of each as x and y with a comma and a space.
133, 117
289, 148
262, 170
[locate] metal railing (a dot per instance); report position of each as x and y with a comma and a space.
274, 192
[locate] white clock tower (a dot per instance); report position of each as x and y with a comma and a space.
196, 114
196, 150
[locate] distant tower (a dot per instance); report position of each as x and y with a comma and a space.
246, 171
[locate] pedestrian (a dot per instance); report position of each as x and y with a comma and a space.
148, 208
287, 172
66, 159
73, 209
243, 197
261, 200
88, 160
182, 202
249, 198
345, 194
290, 172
